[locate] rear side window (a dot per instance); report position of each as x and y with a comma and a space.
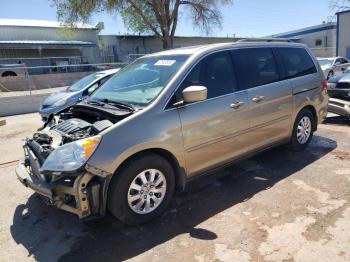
296, 61
215, 72
343, 61
255, 67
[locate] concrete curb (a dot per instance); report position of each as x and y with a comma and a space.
15, 103
21, 104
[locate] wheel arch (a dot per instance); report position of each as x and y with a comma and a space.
312, 109
8, 73
180, 173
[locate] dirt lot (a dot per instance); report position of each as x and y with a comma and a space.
277, 206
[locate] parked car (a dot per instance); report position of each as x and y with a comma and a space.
11, 70
171, 116
74, 93
333, 65
339, 106
338, 88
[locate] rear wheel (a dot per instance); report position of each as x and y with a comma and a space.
303, 129
142, 189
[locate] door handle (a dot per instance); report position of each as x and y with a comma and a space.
237, 104
257, 99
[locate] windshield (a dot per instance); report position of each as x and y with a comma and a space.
140, 82
325, 62
85, 81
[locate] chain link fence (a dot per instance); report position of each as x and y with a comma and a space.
20, 77
33, 73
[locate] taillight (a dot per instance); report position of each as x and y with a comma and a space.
324, 85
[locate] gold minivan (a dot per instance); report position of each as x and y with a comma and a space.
169, 117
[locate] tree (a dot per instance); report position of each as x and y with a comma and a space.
339, 5
147, 16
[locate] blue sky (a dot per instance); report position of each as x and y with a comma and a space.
245, 18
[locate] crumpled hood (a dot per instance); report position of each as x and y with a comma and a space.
57, 96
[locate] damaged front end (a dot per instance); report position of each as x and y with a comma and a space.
55, 160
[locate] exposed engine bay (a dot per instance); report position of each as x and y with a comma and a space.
75, 189
80, 121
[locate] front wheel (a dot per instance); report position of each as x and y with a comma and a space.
142, 189
303, 129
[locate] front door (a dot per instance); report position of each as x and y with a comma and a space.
213, 129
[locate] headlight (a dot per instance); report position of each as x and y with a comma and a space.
61, 102
331, 85
71, 156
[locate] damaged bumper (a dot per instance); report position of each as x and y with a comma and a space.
339, 107
83, 195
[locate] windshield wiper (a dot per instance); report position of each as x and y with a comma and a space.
94, 102
118, 104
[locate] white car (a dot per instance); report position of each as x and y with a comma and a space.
332, 66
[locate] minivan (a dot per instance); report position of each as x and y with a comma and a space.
169, 117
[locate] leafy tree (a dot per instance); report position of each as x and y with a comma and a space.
147, 16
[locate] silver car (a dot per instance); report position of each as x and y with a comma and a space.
333, 66
74, 93
11, 70
170, 117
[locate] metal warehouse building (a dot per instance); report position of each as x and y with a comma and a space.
47, 43
321, 39
126, 47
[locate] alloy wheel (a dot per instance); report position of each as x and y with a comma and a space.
147, 190
304, 130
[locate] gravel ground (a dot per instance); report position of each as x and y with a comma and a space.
276, 206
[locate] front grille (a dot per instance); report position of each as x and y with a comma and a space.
343, 85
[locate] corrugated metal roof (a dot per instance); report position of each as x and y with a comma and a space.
40, 23
304, 30
46, 42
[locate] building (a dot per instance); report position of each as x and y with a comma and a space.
322, 39
343, 34
124, 48
47, 43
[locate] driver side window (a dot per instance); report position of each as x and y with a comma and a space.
215, 72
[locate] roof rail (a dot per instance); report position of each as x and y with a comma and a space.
267, 40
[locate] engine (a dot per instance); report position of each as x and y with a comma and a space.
61, 130
81, 121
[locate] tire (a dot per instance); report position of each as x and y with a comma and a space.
330, 75
9, 74
300, 144
120, 192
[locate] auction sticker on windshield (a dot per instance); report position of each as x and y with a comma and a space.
165, 62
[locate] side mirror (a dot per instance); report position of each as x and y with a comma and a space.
337, 64
194, 94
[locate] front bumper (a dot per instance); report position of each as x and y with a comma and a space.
339, 107
339, 93
81, 195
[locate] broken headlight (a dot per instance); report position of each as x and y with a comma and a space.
71, 156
